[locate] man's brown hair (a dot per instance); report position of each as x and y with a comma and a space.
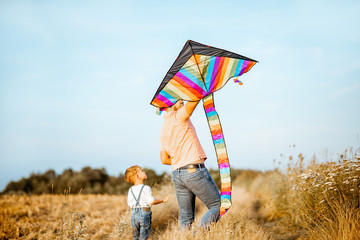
131, 173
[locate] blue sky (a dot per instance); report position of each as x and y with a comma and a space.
76, 80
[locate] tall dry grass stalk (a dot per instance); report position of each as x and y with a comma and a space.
318, 192
318, 197
345, 224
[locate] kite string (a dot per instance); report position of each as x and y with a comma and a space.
221, 153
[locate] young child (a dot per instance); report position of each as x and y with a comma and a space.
140, 200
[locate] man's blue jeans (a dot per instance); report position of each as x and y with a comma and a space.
189, 185
140, 223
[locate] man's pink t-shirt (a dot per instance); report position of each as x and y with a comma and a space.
178, 138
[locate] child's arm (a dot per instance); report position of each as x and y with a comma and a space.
156, 201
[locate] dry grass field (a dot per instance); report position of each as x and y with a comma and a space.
316, 201
108, 217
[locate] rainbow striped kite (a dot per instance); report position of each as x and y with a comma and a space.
199, 71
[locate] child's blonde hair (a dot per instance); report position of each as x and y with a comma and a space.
131, 173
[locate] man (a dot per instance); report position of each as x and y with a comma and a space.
180, 148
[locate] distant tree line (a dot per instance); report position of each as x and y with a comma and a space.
97, 181
86, 181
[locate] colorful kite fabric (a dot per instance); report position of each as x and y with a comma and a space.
221, 153
199, 71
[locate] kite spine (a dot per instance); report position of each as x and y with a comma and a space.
221, 153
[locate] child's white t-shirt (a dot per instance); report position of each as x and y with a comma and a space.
146, 197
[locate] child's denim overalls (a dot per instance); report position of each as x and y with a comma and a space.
140, 219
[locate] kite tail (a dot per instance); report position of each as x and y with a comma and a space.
221, 153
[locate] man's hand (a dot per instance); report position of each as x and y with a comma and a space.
165, 158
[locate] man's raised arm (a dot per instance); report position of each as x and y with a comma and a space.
190, 107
